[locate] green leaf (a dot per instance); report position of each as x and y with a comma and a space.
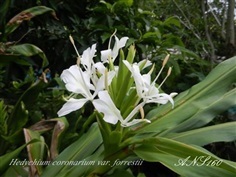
187, 52
31, 94
184, 159
85, 169
8, 158
171, 40
223, 132
6, 59
3, 119
35, 150
17, 120
199, 102
172, 21
152, 36
78, 151
20, 112
26, 15
4, 8
120, 172
16, 171
128, 3
202, 116
28, 50
141, 175
124, 80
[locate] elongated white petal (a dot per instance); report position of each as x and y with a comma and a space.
100, 84
173, 94
100, 67
118, 45
127, 64
105, 105
144, 63
135, 121
153, 91
134, 69
87, 56
162, 98
77, 81
105, 54
133, 112
71, 105
142, 82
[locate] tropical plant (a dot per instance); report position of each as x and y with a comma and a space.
112, 139
111, 121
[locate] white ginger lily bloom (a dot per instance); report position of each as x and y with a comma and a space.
87, 58
112, 54
111, 114
146, 89
79, 82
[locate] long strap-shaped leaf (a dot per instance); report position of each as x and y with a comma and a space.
27, 50
199, 97
78, 151
223, 132
206, 114
27, 14
9, 158
184, 159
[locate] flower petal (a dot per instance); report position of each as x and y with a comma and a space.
71, 105
144, 63
133, 112
77, 81
162, 98
105, 54
87, 56
105, 105
118, 45
135, 121
100, 67
142, 82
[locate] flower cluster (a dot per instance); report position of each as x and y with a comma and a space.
91, 81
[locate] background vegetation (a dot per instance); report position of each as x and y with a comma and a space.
34, 49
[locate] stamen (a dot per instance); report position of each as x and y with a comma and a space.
72, 40
78, 61
168, 74
73, 43
166, 60
141, 110
152, 69
163, 65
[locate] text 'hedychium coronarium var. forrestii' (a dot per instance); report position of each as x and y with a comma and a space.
118, 92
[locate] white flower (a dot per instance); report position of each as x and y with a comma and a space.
111, 114
146, 89
78, 82
112, 54
86, 83
87, 58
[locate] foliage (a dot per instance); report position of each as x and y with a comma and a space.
31, 94
150, 142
